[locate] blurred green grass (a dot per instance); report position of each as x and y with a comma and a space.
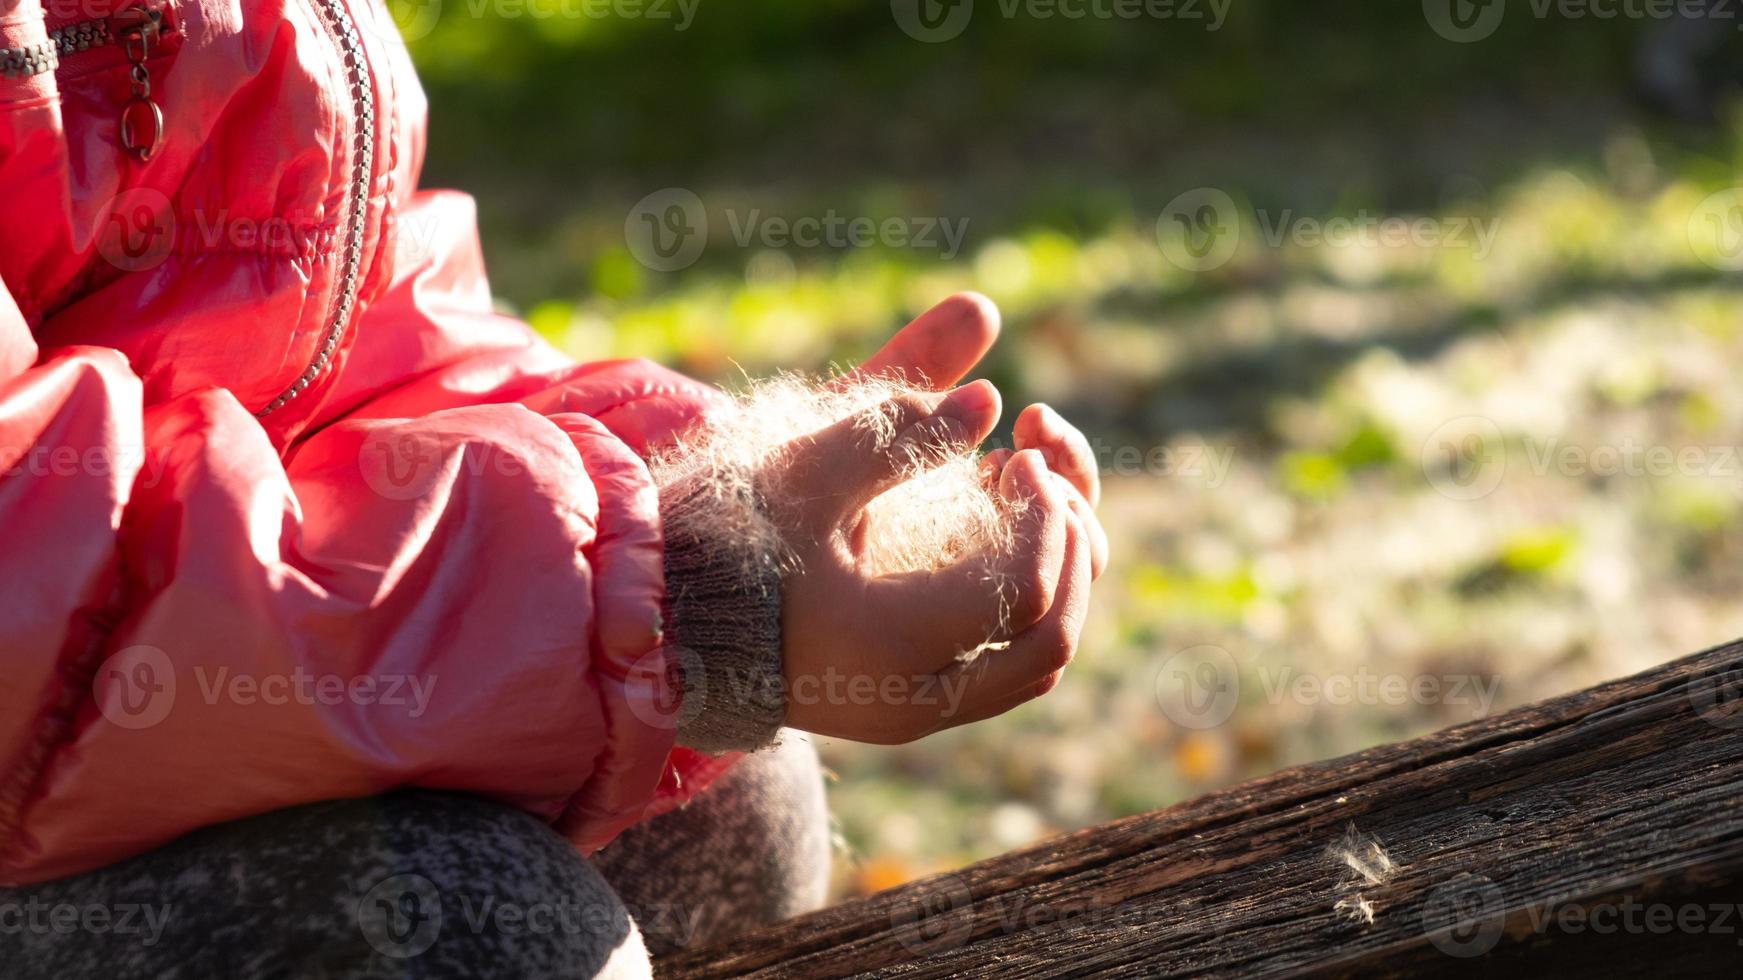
1276, 430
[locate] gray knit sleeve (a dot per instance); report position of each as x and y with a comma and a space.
723, 623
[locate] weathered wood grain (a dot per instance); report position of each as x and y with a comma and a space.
1602, 830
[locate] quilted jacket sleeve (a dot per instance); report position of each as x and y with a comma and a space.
452, 581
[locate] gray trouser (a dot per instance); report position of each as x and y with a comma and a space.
422, 884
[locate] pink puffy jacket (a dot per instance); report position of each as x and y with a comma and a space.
289, 513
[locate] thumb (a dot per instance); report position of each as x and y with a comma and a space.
854, 460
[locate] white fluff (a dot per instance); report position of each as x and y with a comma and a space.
943, 513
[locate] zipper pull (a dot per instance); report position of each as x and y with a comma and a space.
136, 29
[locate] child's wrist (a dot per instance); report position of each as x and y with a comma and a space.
723, 618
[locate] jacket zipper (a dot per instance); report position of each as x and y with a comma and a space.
361, 89
136, 30
34, 59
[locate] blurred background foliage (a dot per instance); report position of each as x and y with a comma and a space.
1326, 376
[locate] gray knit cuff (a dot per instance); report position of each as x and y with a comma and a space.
723, 625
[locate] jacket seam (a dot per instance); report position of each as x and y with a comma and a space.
76, 673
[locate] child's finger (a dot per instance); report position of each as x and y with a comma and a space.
993, 463
981, 710
847, 464
945, 612
1096, 536
1067, 451
940, 345
1000, 680
992, 466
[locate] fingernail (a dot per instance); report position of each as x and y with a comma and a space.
971, 400
1024, 467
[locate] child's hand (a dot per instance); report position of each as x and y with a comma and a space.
878, 658
945, 343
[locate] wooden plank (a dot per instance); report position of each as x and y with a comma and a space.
1602, 829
